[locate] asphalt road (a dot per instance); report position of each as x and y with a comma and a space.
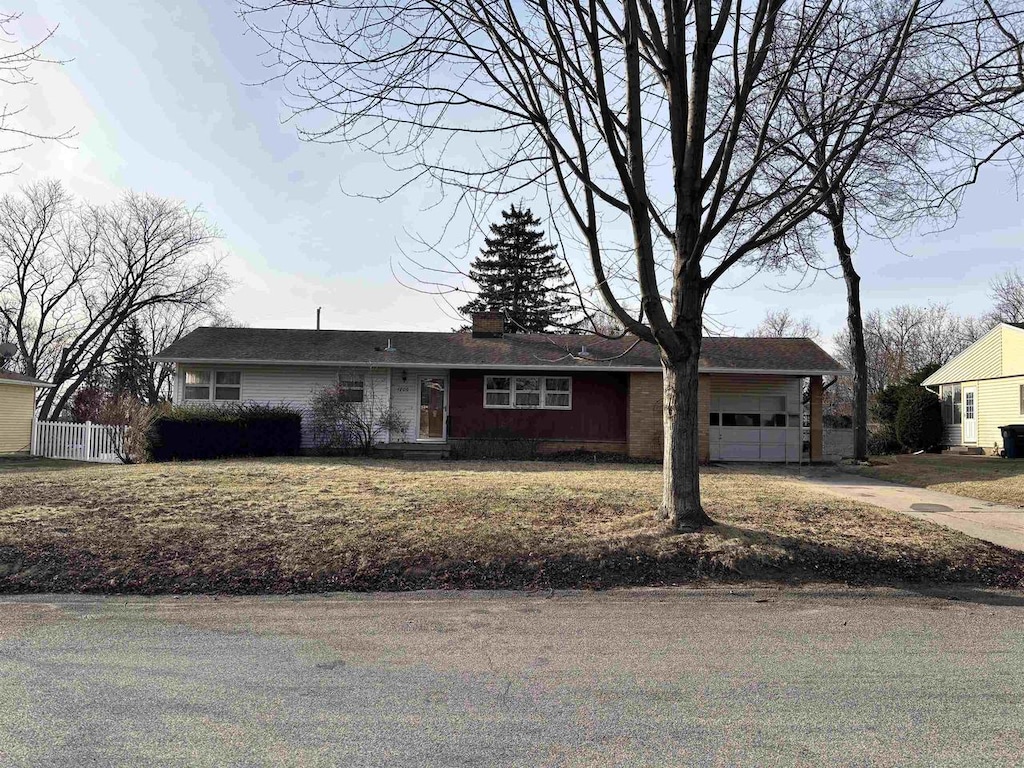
665, 678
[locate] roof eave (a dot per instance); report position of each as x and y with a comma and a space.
19, 383
581, 366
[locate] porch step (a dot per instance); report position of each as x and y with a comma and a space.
418, 451
963, 450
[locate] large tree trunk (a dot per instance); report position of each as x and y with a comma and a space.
855, 324
681, 493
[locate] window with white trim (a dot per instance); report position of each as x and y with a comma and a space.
212, 386
228, 385
557, 392
351, 388
544, 392
197, 385
497, 392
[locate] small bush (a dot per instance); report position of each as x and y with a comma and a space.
495, 444
188, 432
341, 427
919, 420
883, 442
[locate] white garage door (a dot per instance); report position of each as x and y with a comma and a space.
754, 428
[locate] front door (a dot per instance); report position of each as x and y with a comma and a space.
970, 414
432, 408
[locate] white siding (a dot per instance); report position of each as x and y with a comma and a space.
998, 405
405, 398
982, 360
766, 444
292, 385
17, 404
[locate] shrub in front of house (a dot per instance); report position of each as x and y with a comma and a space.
919, 420
185, 433
495, 444
345, 420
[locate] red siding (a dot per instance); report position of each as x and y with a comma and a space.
599, 408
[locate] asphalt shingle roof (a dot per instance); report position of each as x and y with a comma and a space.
426, 348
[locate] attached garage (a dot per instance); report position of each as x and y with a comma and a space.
755, 418
17, 407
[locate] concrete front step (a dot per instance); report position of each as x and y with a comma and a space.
964, 450
419, 451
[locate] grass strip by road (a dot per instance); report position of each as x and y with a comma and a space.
981, 477
312, 525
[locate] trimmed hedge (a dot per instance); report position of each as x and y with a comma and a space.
185, 433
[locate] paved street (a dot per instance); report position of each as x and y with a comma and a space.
669, 678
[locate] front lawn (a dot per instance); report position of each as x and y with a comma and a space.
280, 525
982, 477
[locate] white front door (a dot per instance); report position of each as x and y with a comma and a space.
970, 414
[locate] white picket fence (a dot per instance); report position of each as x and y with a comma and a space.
79, 442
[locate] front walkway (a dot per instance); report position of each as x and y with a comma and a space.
998, 523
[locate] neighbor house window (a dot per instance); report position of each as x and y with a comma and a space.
197, 385
215, 386
351, 389
228, 385
951, 404
548, 392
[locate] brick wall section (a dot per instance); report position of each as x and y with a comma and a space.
488, 323
816, 418
704, 416
646, 438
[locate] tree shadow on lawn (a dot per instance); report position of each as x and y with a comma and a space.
920, 571
189, 565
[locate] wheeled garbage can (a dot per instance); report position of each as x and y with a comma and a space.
1013, 441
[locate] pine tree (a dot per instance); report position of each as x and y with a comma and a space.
130, 362
518, 273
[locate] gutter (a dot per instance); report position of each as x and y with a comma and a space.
498, 366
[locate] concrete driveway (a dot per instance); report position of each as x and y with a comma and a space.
998, 523
634, 678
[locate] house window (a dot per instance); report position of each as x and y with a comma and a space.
352, 389
526, 391
558, 392
197, 385
1022, 399
229, 385
213, 386
497, 391
951, 404
547, 392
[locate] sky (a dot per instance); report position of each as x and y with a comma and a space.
161, 96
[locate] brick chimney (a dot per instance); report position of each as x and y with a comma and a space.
488, 325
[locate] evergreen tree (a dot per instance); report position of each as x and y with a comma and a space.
129, 366
518, 273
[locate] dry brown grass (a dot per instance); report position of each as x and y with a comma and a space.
982, 477
280, 525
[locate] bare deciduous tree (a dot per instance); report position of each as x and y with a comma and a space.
651, 128
18, 60
1007, 291
906, 338
71, 275
780, 323
957, 104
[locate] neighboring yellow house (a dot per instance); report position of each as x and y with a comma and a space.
982, 389
17, 407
